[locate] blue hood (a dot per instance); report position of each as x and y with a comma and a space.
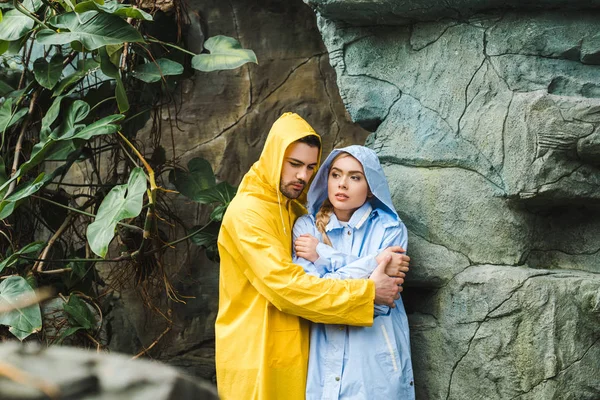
373, 172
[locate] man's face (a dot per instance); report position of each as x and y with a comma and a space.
299, 163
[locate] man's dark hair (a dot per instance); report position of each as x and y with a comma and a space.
311, 140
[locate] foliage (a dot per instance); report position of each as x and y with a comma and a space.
78, 80
22, 321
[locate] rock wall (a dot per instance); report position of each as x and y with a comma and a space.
486, 116
225, 117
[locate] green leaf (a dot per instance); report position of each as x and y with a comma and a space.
3, 48
32, 5
218, 213
155, 71
79, 313
48, 74
79, 268
113, 7
104, 126
14, 257
84, 67
68, 332
225, 53
123, 201
3, 176
110, 70
50, 117
121, 95
15, 25
8, 205
97, 30
8, 117
207, 237
5, 88
222, 193
22, 322
198, 178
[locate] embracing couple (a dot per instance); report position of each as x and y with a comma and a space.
339, 266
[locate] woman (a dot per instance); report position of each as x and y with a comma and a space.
351, 220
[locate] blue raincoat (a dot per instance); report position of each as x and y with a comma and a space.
348, 362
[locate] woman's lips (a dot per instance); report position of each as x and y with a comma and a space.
341, 197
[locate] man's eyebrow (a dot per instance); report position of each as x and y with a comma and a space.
295, 160
350, 172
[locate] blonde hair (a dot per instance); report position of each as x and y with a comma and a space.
324, 214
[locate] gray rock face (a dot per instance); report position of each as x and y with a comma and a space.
488, 128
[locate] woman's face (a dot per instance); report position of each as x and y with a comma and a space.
347, 186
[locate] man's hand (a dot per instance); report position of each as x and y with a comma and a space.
306, 247
398, 265
387, 289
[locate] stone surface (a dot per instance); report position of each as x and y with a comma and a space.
487, 126
405, 12
79, 374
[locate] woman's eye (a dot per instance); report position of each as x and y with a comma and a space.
355, 177
335, 175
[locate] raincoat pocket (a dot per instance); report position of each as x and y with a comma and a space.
286, 348
387, 353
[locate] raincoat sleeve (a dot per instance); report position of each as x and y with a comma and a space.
267, 263
357, 268
304, 225
394, 236
346, 266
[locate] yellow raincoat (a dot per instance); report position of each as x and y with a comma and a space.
261, 336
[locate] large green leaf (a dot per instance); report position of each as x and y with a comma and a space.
198, 178
22, 322
123, 201
15, 25
14, 257
155, 71
48, 73
96, 30
8, 205
113, 7
5, 88
225, 53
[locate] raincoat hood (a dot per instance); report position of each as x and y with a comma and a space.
373, 172
265, 174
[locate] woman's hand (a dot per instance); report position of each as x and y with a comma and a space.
398, 265
306, 247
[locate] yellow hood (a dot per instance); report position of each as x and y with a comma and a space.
265, 174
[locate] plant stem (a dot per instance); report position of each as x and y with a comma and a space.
171, 45
19, 145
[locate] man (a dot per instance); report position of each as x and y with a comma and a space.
261, 341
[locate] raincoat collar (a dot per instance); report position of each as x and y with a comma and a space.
264, 176
357, 220
381, 199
